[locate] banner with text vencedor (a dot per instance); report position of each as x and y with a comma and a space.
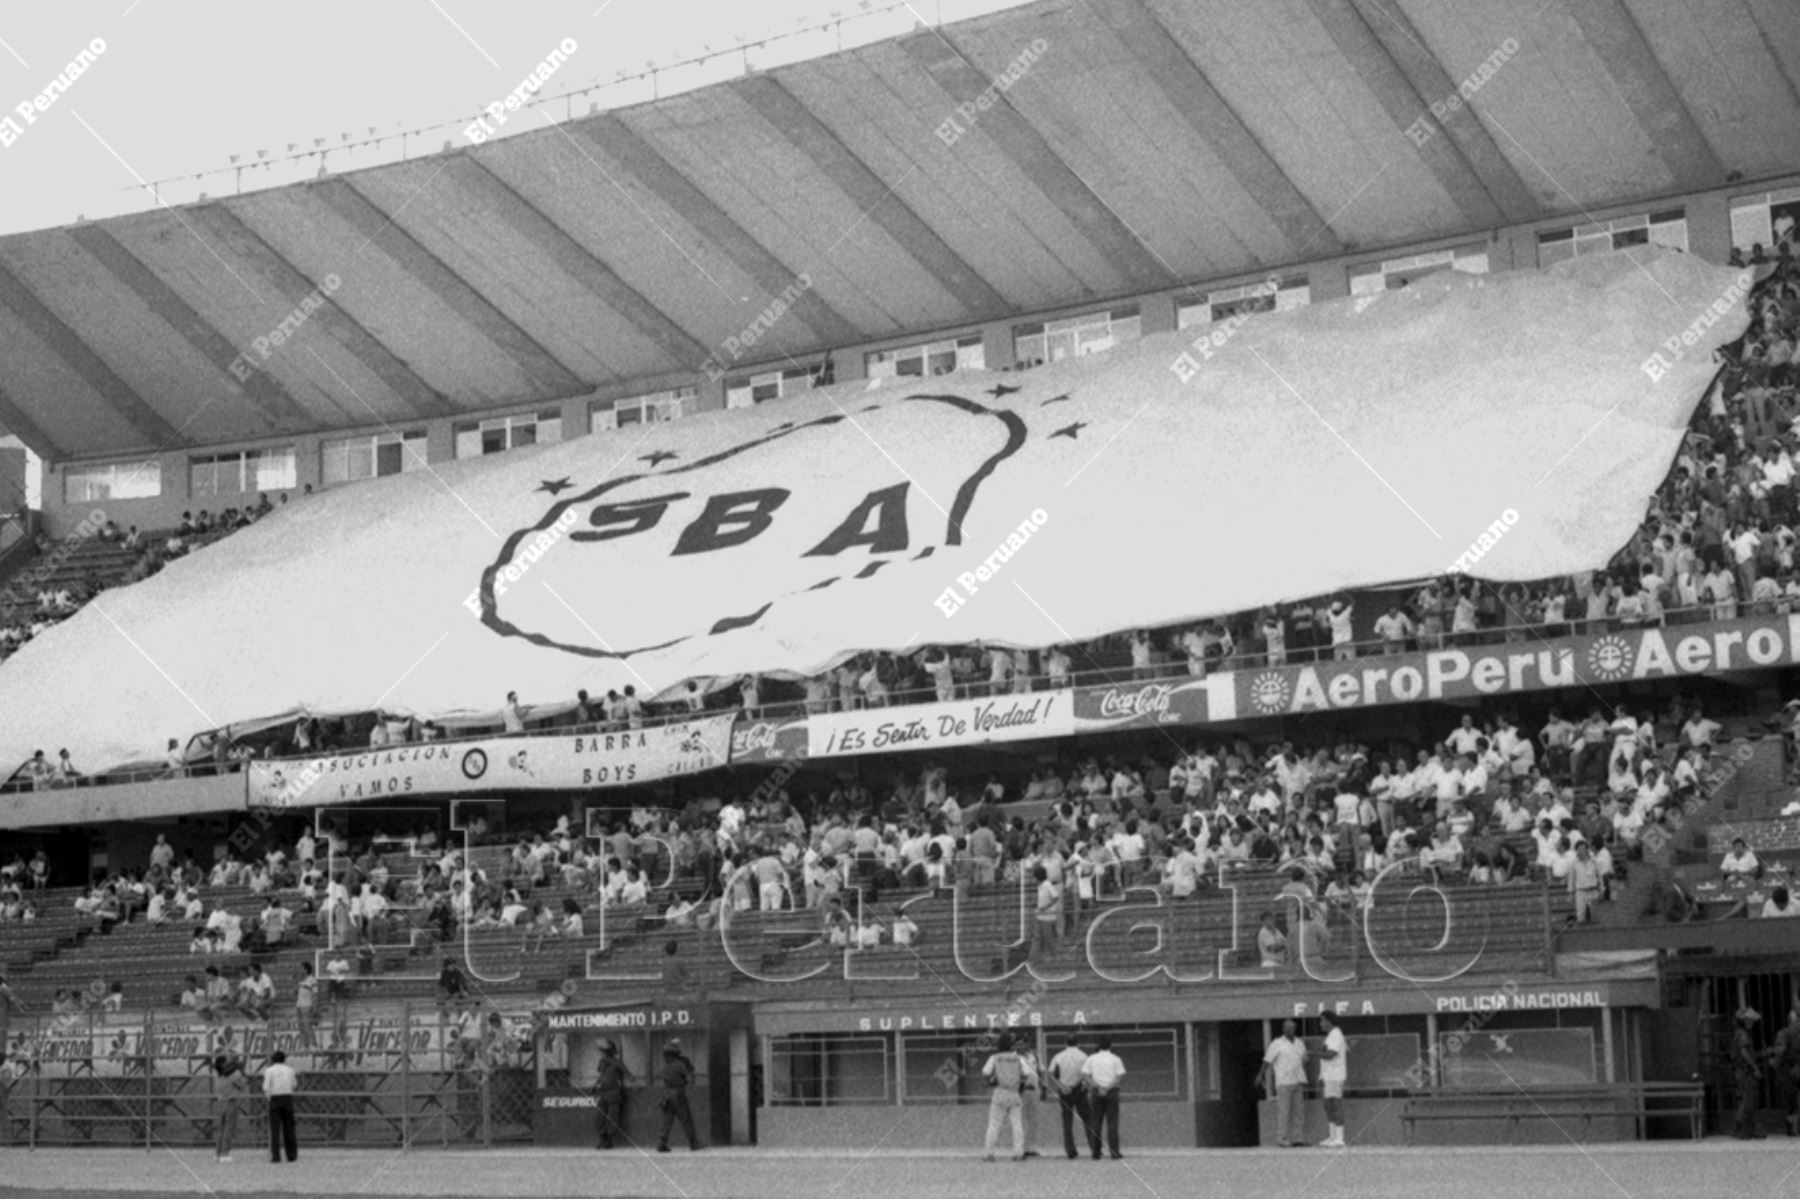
546, 762
1349, 443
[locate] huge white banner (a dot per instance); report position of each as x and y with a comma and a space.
552, 762
1349, 443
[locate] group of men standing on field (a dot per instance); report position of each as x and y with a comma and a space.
1085, 1085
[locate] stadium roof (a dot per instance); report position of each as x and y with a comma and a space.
1139, 144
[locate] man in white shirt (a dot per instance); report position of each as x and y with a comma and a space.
279, 1083
1341, 616
1102, 1073
1334, 1069
1465, 738
1394, 628
1065, 1078
1740, 863
1010, 1074
1698, 730
1284, 1065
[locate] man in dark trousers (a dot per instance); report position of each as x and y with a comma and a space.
1785, 1060
279, 1083
677, 1073
1065, 1080
1747, 1067
609, 1096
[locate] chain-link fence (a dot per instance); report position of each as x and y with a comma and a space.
408, 1074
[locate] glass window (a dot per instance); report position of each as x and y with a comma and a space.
1765, 220
114, 481
1374, 278
829, 1071
771, 385
372, 456
643, 410
272, 469
1074, 336
1155, 1067
946, 1067
1602, 237
497, 434
928, 360
1249, 299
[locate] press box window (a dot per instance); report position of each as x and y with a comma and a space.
1374, 278
1765, 220
242, 471
114, 481
372, 457
1250, 299
643, 410
927, 361
498, 434
1075, 336
770, 385
1603, 237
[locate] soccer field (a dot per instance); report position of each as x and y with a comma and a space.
1718, 1167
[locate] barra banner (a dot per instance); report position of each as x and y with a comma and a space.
1525, 665
1509, 424
548, 763
939, 726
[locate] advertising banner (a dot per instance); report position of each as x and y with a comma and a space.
549, 763
754, 741
1530, 664
940, 726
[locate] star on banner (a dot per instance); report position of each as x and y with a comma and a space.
554, 486
657, 457
1070, 431
1001, 389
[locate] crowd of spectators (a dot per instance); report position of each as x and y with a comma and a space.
58, 599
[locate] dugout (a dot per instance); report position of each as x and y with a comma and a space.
715, 1036
837, 1073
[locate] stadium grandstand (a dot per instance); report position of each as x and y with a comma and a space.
1126, 520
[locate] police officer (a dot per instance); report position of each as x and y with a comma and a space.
609, 1095
1784, 1058
1746, 1064
677, 1074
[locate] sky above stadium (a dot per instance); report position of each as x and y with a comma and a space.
174, 90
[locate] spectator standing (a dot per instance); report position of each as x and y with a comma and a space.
1284, 1065
1010, 1075
1102, 1073
230, 1086
279, 1083
678, 1073
306, 1005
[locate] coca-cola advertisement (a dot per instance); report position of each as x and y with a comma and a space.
768, 740
1141, 705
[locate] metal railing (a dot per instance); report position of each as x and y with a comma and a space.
1167, 670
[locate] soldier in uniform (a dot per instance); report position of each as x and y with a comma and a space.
1746, 1064
677, 1074
609, 1094
1784, 1058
